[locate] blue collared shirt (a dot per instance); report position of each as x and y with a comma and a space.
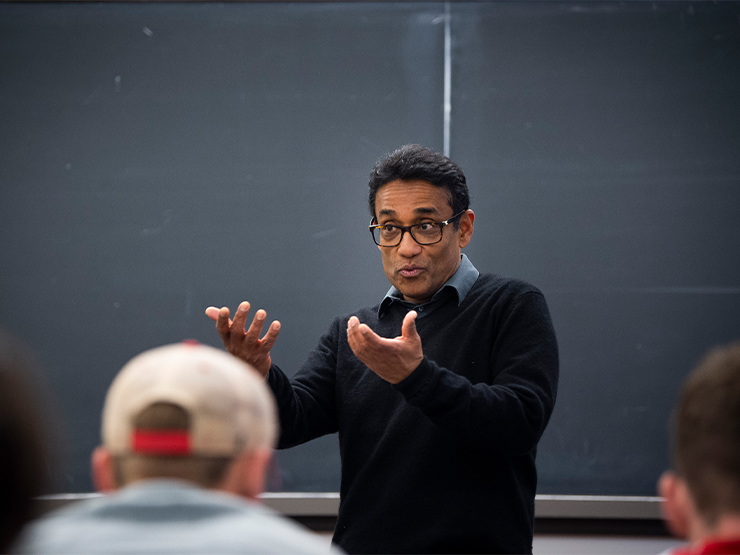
460, 284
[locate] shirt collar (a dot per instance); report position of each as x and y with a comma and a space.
461, 283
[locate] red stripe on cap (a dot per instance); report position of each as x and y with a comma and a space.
161, 442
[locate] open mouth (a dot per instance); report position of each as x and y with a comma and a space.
410, 272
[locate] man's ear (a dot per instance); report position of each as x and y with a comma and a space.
246, 475
676, 506
466, 228
103, 475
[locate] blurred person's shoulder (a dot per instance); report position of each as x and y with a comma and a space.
168, 516
708, 547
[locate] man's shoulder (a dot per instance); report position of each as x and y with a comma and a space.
490, 284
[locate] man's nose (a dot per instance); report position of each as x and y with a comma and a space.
407, 246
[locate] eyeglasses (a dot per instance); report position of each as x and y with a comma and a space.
425, 233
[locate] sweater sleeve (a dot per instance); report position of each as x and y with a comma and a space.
509, 414
306, 404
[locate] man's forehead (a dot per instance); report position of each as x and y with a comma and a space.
418, 197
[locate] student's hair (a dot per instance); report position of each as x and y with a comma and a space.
412, 162
207, 471
706, 439
26, 439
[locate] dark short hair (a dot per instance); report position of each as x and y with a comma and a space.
418, 162
706, 435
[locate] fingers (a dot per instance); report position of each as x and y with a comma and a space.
223, 323
240, 319
354, 338
362, 339
246, 344
272, 332
255, 328
408, 328
237, 327
356, 327
360, 336
353, 330
391, 359
253, 333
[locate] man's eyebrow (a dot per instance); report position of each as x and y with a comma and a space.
421, 210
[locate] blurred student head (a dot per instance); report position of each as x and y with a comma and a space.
26, 439
190, 412
702, 493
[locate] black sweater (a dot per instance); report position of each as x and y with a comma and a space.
445, 460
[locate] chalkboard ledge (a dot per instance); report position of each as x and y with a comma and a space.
601, 515
546, 506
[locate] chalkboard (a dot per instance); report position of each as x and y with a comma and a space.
160, 158
602, 143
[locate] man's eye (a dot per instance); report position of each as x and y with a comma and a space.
426, 226
390, 228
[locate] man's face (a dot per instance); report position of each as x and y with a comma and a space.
418, 271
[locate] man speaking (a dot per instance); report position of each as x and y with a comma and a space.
439, 393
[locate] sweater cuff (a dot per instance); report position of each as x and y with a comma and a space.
274, 377
417, 381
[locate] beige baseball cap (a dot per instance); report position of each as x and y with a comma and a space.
230, 407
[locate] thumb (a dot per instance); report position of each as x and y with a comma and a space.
408, 328
212, 313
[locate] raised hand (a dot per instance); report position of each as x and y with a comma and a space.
391, 359
246, 345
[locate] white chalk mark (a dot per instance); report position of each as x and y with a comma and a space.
148, 32
157, 230
68, 166
90, 98
118, 83
323, 234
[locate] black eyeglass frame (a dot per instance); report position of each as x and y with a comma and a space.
405, 228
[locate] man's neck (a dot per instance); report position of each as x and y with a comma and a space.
727, 528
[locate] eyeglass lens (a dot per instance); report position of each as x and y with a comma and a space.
424, 234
